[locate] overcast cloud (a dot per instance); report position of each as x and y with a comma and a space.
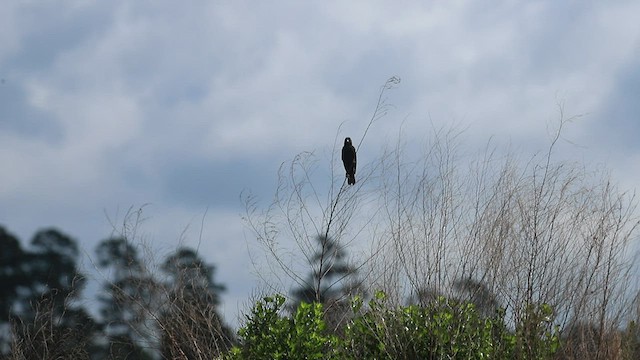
107, 105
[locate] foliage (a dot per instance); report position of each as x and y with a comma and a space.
443, 329
536, 336
127, 298
38, 292
269, 335
331, 282
142, 315
193, 275
189, 322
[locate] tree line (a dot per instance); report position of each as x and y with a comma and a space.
142, 313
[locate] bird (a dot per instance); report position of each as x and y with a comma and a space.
349, 160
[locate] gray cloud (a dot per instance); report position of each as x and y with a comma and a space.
113, 104
19, 118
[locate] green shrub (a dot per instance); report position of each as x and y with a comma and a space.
268, 335
536, 336
444, 329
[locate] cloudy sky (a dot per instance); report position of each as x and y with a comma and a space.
106, 106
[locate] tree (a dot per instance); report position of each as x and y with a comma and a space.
41, 287
332, 282
53, 265
190, 273
328, 281
140, 317
476, 292
127, 300
12, 277
191, 327
145, 315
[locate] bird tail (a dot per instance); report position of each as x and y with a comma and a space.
352, 179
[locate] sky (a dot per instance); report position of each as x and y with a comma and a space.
108, 107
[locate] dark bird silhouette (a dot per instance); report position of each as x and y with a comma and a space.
349, 160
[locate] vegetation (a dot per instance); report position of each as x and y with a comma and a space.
441, 255
445, 329
142, 315
547, 241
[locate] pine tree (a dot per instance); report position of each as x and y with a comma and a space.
127, 302
331, 281
190, 323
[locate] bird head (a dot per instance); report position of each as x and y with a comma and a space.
347, 141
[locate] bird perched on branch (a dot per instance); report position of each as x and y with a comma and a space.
349, 160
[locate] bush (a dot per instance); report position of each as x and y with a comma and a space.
444, 329
268, 335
